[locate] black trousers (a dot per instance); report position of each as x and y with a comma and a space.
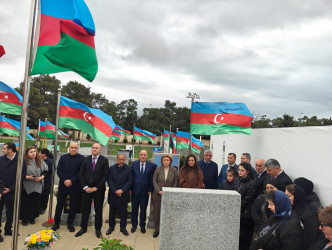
30, 205
44, 201
123, 215
73, 193
246, 232
9, 214
98, 200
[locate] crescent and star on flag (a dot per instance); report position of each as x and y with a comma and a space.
216, 117
87, 116
3, 96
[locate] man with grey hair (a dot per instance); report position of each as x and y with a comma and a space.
275, 172
210, 170
245, 157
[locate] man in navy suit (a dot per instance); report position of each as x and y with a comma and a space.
68, 171
93, 175
210, 170
142, 187
8, 169
231, 163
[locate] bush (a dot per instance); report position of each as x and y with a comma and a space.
88, 137
125, 140
150, 143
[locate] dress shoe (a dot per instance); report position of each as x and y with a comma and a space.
1, 239
109, 231
79, 233
133, 229
25, 222
98, 233
32, 221
155, 234
143, 230
71, 228
55, 227
124, 231
9, 232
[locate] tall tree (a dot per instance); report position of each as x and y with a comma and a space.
78, 92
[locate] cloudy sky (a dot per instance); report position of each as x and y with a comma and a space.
275, 56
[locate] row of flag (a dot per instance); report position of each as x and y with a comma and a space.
181, 140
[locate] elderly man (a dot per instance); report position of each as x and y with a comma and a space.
210, 170
120, 178
68, 171
223, 171
142, 187
261, 175
8, 169
93, 175
275, 172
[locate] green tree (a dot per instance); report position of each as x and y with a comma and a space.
78, 92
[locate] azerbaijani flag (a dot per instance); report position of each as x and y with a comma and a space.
92, 121
117, 132
2, 50
196, 145
10, 100
50, 130
166, 135
182, 139
11, 127
216, 118
143, 135
126, 132
173, 143
66, 39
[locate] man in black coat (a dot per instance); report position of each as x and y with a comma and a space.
261, 175
8, 169
275, 172
93, 175
210, 170
68, 171
120, 179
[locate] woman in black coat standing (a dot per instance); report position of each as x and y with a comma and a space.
310, 222
247, 190
47, 156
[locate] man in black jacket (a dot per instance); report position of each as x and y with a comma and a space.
261, 175
93, 175
8, 169
68, 171
120, 179
274, 170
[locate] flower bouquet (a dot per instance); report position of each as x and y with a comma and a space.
108, 243
41, 239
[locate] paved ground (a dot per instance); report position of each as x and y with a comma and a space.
89, 240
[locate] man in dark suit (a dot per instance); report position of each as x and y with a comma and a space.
261, 175
120, 179
68, 171
93, 175
142, 187
275, 172
8, 169
231, 159
210, 170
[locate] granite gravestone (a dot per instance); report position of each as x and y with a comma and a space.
199, 219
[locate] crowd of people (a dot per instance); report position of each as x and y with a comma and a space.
276, 213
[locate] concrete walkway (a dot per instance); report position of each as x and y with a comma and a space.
88, 240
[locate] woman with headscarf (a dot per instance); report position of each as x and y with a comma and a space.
311, 197
324, 241
259, 210
247, 190
283, 230
190, 175
47, 156
310, 223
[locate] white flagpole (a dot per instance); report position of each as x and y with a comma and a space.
26, 92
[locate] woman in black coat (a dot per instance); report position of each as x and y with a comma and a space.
310, 223
283, 230
47, 156
324, 240
247, 190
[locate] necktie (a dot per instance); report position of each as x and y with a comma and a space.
94, 164
142, 169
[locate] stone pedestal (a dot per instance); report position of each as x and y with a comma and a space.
199, 219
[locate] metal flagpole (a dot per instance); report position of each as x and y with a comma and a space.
55, 152
132, 156
176, 140
193, 96
26, 91
169, 139
38, 131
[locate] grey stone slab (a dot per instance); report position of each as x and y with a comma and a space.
199, 219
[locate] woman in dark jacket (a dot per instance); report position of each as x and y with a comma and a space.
247, 190
283, 230
47, 156
311, 197
324, 240
190, 175
310, 223
259, 210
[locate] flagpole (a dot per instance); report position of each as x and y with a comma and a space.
38, 131
45, 131
132, 156
169, 139
176, 140
26, 92
55, 153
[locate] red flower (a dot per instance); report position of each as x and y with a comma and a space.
50, 220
